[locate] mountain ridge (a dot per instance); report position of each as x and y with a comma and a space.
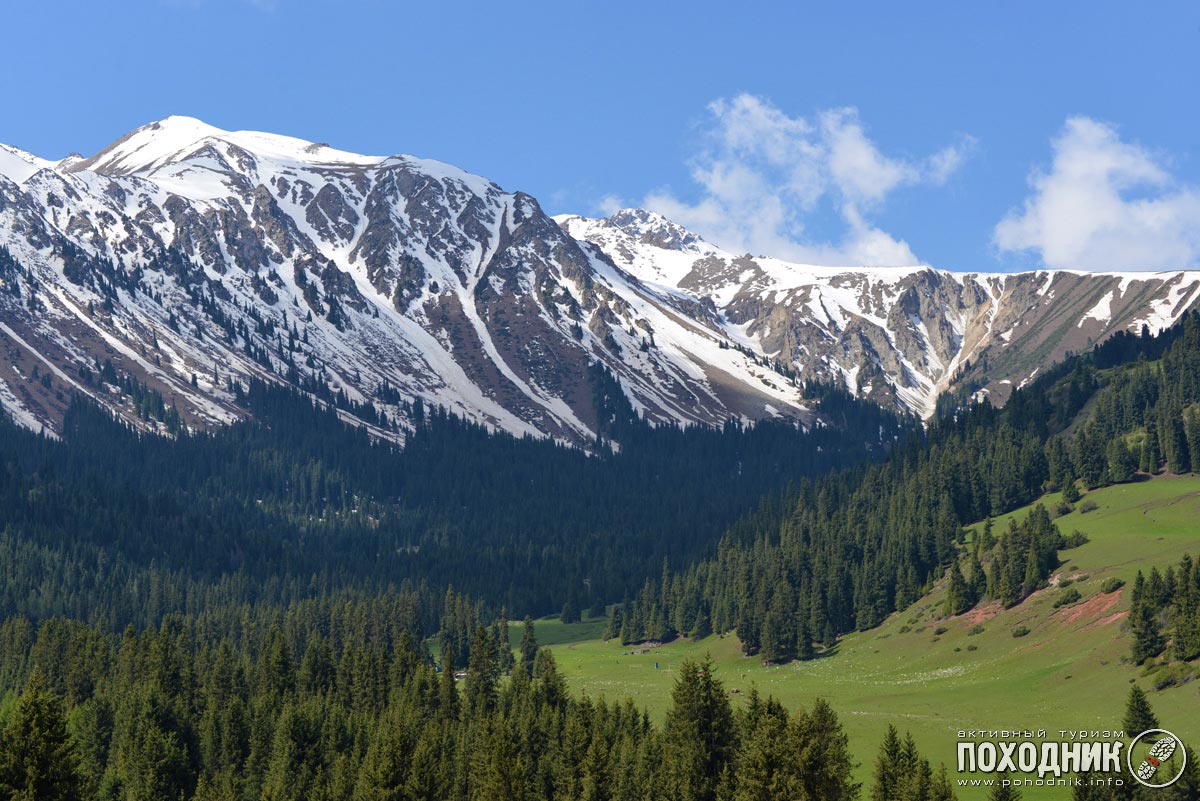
197, 259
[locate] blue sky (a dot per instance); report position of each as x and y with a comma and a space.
967, 135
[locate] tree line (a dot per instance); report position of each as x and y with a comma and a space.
840, 553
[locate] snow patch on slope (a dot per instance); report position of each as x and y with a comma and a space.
1102, 311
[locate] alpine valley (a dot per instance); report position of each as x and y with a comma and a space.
290, 434
193, 260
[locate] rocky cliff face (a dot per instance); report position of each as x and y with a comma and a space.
900, 335
193, 259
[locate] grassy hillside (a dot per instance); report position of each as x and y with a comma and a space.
1070, 671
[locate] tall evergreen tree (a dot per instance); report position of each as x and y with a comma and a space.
1139, 717
888, 769
1122, 464
37, 758
1003, 790
1148, 639
698, 735
822, 751
482, 672
959, 597
529, 646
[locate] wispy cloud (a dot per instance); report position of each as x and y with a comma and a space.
1105, 204
764, 173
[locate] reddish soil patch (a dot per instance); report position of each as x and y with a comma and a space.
1091, 608
982, 614
1104, 621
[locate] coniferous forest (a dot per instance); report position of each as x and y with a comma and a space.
249, 613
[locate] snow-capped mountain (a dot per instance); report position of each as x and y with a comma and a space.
193, 259
900, 335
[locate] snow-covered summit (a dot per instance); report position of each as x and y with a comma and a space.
194, 257
176, 138
18, 166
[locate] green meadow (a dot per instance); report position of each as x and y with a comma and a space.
932, 675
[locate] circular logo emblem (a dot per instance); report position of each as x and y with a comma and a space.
1160, 758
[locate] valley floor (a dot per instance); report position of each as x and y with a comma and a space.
1070, 672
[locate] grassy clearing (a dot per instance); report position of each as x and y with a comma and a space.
1068, 672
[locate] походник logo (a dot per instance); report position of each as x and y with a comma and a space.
1163, 760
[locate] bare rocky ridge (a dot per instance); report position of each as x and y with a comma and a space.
902, 336
194, 258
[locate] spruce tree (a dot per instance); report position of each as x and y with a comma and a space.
940, 789
1139, 717
978, 583
1175, 442
570, 610
1033, 575
764, 752
698, 736
958, 594
1150, 453
529, 647
822, 751
504, 651
481, 674
804, 641
37, 758
447, 687
615, 623
1121, 462
989, 537
886, 776
1003, 789
1070, 491
1148, 639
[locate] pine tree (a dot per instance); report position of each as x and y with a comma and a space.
1148, 640
940, 789
37, 758
978, 582
570, 610
1033, 575
1191, 425
1121, 462
447, 687
481, 675
615, 622
1070, 492
504, 651
958, 594
388, 761
778, 639
698, 736
1150, 454
1175, 442
529, 647
989, 538
1003, 790
804, 641
822, 751
1139, 717
886, 777
764, 751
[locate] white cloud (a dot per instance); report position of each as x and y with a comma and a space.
609, 204
764, 173
1105, 204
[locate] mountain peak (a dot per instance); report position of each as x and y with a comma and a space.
18, 166
651, 228
175, 138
